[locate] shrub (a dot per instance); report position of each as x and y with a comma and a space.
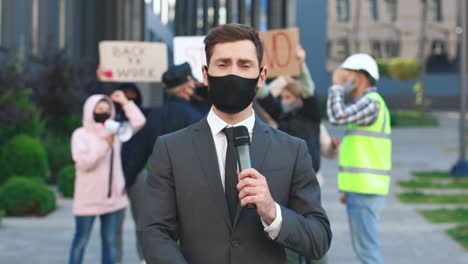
18, 113
412, 119
23, 155
58, 153
60, 87
63, 126
383, 65
21, 196
33, 127
404, 69
66, 181
2, 214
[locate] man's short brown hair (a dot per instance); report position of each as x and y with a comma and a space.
231, 33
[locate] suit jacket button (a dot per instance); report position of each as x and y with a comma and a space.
235, 243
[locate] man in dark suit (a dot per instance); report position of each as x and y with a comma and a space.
195, 208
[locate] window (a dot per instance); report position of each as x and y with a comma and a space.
437, 10
392, 48
392, 9
439, 47
343, 49
376, 49
374, 9
342, 10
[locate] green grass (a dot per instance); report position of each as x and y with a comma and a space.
413, 119
460, 234
446, 215
421, 198
428, 183
440, 180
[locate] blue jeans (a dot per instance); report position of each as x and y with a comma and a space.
363, 211
109, 228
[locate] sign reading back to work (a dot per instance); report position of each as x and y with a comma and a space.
191, 50
132, 61
280, 48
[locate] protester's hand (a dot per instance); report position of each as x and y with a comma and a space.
335, 143
300, 55
288, 78
343, 198
119, 97
110, 139
340, 76
99, 72
253, 189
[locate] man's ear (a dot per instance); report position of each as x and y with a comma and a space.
263, 76
205, 75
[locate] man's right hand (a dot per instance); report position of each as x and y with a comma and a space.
343, 198
335, 143
340, 76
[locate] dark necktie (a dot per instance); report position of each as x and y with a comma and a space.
230, 176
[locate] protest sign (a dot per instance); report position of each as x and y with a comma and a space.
191, 50
280, 51
131, 61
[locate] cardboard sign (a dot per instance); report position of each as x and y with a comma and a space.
191, 50
280, 51
132, 61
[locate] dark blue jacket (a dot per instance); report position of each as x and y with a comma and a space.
173, 115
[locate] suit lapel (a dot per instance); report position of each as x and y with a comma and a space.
206, 153
258, 151
260, 144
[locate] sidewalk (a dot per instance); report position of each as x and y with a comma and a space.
406, 237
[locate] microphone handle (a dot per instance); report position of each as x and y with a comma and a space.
243, 158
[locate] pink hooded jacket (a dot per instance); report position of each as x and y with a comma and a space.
91, 153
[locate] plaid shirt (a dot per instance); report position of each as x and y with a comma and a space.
363, 111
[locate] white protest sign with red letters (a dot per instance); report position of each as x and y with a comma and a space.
191, 50
131, 61
280, 48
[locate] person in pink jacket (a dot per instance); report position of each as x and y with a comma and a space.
99, 180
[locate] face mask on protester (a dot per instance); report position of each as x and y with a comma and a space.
350, 85
231, 93
288, 107
101, 117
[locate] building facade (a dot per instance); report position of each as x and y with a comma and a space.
392, 28
326, 29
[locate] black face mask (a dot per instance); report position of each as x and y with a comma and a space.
101, 117
231, 93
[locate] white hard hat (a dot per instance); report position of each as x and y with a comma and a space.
362, 62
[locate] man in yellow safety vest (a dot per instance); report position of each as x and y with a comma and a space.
365, 154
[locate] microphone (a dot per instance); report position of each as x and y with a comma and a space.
242, 145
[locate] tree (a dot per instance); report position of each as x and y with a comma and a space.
406, 70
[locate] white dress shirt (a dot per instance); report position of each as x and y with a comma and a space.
217, 125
